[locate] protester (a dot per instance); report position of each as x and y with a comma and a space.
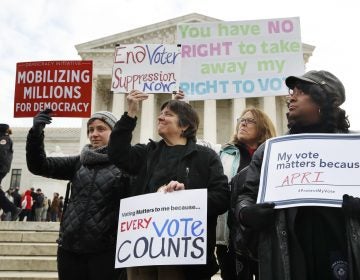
38, 204
87, 238
61, 207
305, 242
17, 197
45, 209
54, 207
173, 163
6, 216
252, 129
6, 156
26, 205
6, 150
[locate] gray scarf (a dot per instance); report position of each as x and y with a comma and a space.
94, 156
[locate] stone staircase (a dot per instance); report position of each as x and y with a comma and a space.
28, 250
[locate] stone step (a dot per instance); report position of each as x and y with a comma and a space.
30, 226
28, 249
27, 263
28, 236
28, 275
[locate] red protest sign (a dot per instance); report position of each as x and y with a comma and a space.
63, 86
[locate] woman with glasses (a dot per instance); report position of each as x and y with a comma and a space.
252, 129
305, 242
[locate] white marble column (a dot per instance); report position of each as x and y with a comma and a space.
118, 105
239, 105
269, 107
83, 133
147, 119
210, 121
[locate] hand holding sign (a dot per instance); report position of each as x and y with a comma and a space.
172, 186
133, 99
351, 206
258, 216
40, 120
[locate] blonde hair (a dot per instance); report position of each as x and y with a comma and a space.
264, 125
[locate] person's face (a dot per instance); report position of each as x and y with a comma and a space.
247, 132
168, 124
302, 109
99, 133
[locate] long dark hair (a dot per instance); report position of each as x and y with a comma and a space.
333, 119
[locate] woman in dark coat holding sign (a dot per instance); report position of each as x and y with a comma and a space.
174, 163
305, 242
87, 239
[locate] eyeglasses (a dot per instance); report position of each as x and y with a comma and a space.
295, 92
247, 121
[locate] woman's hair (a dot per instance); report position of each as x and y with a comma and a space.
265, 127
332, 118
187, 117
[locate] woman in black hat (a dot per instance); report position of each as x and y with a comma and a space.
305, 242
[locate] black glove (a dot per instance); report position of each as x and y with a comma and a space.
40, 120
351, 206
258, 216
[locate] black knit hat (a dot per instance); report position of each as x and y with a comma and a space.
105, 116
329, 82
4, 127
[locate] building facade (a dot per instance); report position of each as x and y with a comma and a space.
58, 142
217, 117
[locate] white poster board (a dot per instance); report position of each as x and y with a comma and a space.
310, 169
162, 229
151, 68
222, 60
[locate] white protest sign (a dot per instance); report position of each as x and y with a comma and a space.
310, 169
223, 60
162, 229
152, 68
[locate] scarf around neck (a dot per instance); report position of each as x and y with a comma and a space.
94, 156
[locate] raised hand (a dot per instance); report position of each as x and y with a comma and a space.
40, 120
133, 99
179, 95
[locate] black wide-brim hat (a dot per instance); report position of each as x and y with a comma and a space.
329, 82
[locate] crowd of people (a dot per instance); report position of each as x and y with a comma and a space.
33, 206
245, 240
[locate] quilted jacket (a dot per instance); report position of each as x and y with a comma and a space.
90, 222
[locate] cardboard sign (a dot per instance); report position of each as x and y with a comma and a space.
310, 169
63, 86
162, 229
224, 60
152, 68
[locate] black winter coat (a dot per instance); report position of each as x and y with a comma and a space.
199, 167
90, 221
274, 252
6, 153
